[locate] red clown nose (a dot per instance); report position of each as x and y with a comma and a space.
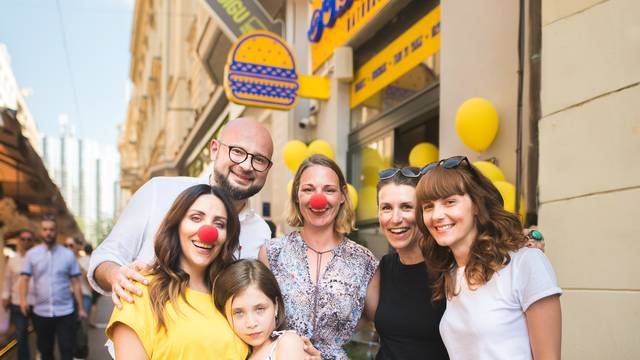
208, 234
318, 201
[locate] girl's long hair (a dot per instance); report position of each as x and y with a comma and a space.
169, 280
499, 231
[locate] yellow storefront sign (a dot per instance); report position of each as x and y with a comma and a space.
403, 54
334, 22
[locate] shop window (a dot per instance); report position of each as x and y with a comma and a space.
366, 162
421, 77
389, 150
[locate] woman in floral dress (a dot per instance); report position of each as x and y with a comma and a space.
324, 276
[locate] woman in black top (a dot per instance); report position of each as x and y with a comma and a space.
405, 318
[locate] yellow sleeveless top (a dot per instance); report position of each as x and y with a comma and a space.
190, 334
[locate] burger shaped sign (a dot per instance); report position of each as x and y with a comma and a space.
261, 71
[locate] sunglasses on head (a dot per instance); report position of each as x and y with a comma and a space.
412, 172
450, 163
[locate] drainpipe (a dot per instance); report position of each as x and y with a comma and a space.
521, 50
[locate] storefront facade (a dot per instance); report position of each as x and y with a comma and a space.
413, 64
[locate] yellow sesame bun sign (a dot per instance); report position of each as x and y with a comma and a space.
261, 71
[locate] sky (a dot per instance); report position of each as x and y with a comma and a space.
89, 81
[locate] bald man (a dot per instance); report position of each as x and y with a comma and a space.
241, 161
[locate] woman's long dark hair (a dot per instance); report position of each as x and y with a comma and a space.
169, 280
499, 231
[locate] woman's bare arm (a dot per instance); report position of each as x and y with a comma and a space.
127, 344
544, 323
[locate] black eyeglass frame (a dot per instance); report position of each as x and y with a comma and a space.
246, 155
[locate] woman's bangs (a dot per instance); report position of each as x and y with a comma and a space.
440, 183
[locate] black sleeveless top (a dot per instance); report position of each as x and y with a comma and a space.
407, 322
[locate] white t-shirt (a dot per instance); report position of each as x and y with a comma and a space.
489, 322
132, 237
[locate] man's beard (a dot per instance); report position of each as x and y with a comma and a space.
232, 191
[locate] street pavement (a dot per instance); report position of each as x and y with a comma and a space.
97, 338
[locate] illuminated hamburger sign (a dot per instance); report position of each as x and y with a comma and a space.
261, 71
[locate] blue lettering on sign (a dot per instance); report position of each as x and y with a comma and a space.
435, 30
379, 71
326, 16
360, 85
397, 57
416, 44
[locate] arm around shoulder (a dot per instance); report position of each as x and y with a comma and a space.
290, 346
122, 245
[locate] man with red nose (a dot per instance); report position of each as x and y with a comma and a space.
241, 161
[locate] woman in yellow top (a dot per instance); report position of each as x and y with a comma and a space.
176, 317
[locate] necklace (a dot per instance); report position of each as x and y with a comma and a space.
317, 285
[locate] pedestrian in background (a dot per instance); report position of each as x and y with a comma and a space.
11, 297
81, 343
55, 273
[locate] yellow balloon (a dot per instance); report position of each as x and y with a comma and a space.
289, 187
477, 123
489, 170
371, 164
508, 192
322, 147
353, 195
368, 208
423, 154
371, 157
369, 176
294, 153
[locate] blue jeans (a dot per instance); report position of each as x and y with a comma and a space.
86, 303
21, 322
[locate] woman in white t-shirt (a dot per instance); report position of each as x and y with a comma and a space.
502, 297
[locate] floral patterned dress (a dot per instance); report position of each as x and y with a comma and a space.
327, 315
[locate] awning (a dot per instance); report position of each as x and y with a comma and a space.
24, 178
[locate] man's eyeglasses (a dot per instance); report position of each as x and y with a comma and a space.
238, 155
70, 246
25, 238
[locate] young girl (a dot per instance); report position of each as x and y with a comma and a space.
175, 317
502, 297
248, 294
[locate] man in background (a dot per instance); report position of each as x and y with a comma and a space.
55, 273
11, 294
